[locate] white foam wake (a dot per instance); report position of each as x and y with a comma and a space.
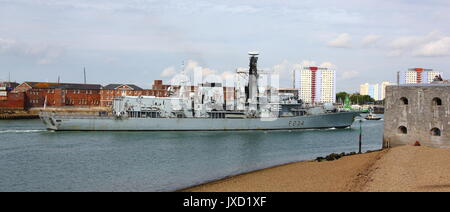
21, 131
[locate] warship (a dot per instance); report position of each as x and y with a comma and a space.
207, 111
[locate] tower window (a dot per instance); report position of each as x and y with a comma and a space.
402, 130
437, 101
435, 132
404, 101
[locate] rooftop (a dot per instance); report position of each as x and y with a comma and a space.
115, 86
74, 86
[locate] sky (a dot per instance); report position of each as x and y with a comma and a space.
138, 41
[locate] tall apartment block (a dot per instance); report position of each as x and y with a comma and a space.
376, 91
418, 76
315, 84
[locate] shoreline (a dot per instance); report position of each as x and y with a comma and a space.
398, 169
217, 185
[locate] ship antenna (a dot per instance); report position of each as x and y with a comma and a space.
183, 67
252, 91
84, 71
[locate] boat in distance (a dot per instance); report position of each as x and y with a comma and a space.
208, 109
372, 117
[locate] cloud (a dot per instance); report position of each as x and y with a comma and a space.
370, 40
395, 53
440, 47
342, 41
307, 63
168, 72
433, 44
406, 42
195, 74
41, 53
282, 68
229, 78
286, 67
6, 44
228, 75
348, 75
47, 54
328, 65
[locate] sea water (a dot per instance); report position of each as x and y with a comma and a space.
34, 159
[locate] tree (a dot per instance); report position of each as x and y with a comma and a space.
355, 98
359, 99
340, 97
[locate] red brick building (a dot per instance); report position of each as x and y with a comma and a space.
59, 94
10, 100
111, 91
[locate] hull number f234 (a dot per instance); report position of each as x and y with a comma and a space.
296, 123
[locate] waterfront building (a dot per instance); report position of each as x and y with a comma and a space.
111, 91
9, 86
417, 113
8, 99
418, 76
316, 84
59, 94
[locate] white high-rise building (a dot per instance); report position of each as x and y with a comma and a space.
316, 84
364, 89
418, 76
376, 91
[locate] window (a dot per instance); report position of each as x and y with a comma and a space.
404, 101
437, 101
402, 130
435, 132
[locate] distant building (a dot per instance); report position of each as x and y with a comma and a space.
316, 84
10, 100
8, 86
417, 113
418, 76
59, 94
376, 91
288, 91
111, 91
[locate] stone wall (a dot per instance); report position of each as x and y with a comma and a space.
417, 113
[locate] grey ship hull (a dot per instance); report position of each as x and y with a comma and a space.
86, 123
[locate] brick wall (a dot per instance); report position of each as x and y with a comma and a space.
13, 101
81, 98
62, 97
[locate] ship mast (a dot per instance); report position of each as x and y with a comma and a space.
252, 88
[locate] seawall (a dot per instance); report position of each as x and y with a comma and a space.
33, 113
